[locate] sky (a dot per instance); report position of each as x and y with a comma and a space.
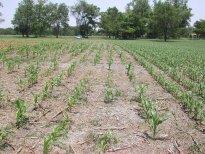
198, 8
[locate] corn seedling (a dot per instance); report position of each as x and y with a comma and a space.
105, 141
97, 58
10, 65
21, 117
111, 93
32, 74
4, 133
46, 91
71, 69
77, 94
1, 97
57, 133
110, 60
141, 89
155, 120
130, 72
122, 58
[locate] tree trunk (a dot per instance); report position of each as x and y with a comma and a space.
57, 31
165, 35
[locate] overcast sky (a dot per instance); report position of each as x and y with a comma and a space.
198, 8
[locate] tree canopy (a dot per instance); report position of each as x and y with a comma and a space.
165, 19
1, 20
38, 18
200, 27
86, 16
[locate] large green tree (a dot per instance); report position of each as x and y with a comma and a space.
86, 16
170, 17
40, 22
23, 17
200, 27
111, 21
139, 13
1, 20
59, 17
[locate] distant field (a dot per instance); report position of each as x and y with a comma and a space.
101, 96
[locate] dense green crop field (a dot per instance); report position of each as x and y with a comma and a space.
184, 60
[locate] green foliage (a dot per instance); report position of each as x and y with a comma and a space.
141, 89
1, 97
32, 74
21, 113
155, 120
130, 71
97, 58
77, 94
86, 16
110, 60
58, 132
111, 93
3, 137
200, 27
105, 141
71, 69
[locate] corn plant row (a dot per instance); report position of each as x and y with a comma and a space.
97, 57
197, 88
60, 130
78, 94
111, 93
185, 67
149, 110
52, 83
39, 52
194, 107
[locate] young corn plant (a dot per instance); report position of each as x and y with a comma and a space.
46, 91
4, 134
21, 113
110, 60
97, 58
57, 133
1, 97
105, 141
71, 69
155, 120
111, 93
130, 72
32, 74
77, 94
10, 65
122, 58
141, 89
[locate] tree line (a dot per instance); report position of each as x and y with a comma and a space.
163, 19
